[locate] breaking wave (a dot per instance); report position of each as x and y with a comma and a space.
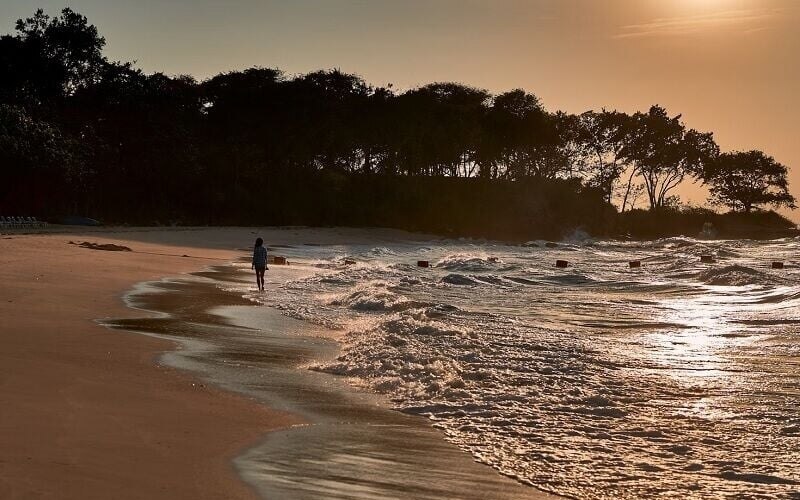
595, 381
736, 275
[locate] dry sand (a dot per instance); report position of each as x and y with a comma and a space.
86, 413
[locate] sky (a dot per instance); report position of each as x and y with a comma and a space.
727, 66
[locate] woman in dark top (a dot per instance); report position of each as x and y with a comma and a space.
260, 262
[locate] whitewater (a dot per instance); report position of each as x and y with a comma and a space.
675, 379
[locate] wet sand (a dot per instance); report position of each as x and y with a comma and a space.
352, 446
93, 415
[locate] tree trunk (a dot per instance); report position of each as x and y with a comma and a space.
628, 189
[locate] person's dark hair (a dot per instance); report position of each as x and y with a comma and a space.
259, 242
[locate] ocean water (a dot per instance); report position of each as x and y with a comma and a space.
677, 379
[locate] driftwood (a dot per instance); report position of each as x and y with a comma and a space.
110, 247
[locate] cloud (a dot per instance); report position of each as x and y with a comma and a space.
741, 21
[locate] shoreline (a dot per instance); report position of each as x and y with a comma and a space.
353, 445
95, 412
92, 414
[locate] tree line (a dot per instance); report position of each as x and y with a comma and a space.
82, 134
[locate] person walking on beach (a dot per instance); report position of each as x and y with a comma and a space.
260, 262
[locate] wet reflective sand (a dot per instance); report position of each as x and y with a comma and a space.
352, 445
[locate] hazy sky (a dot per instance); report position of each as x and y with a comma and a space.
729, 66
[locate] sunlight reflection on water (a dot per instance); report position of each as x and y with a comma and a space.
675, 379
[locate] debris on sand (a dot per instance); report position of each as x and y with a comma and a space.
110, 247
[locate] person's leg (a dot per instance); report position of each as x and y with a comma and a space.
260, 277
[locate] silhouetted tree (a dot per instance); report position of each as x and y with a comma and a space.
747, 180
49, 58
246, 132
663, 152
438, 129
603, 137
79, 133
38, 163
328, 109
513, 135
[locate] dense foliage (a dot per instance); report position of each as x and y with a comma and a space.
744, 180
81, 134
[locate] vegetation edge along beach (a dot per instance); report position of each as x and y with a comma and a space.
83, 135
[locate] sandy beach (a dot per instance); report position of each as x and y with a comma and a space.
87, 413
91, 413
